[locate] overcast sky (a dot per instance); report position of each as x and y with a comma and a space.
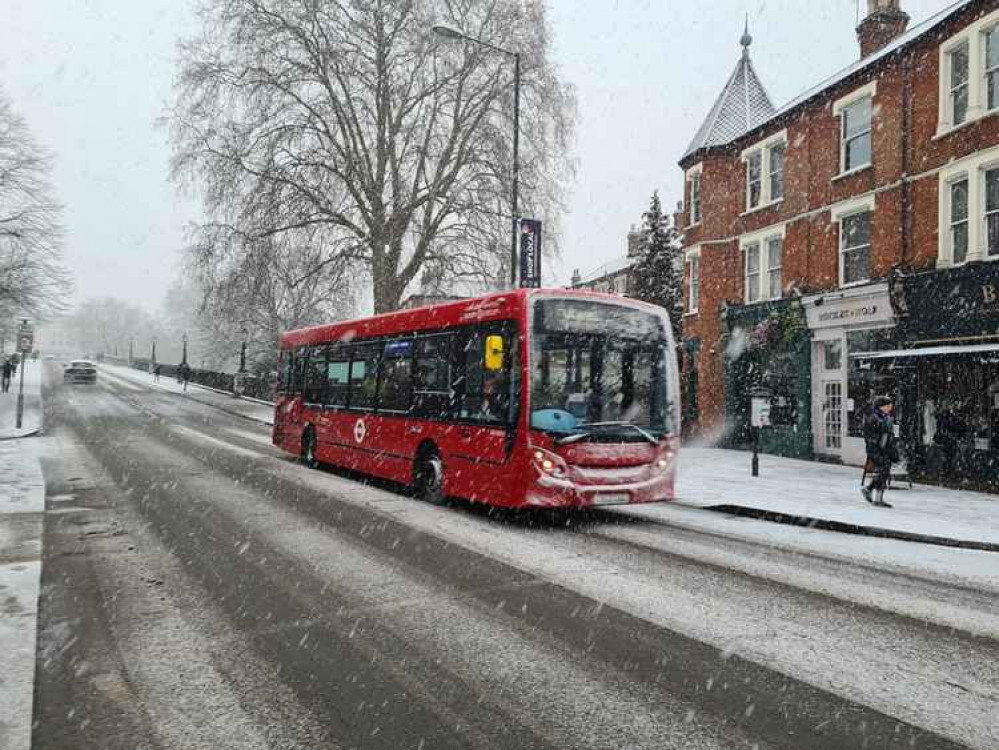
92, 77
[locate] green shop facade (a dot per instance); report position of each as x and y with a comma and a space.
803, 351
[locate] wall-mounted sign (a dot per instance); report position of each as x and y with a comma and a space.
530, 253
832, 311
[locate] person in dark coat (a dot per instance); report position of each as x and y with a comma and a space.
5, 382
882, 452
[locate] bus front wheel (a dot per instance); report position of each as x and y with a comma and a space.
430, 479
309, 449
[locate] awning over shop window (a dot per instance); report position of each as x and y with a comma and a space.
931, 351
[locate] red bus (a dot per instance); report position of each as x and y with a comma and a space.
532, 398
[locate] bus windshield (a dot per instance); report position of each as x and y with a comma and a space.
601, 371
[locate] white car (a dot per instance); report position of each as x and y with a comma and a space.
80, 371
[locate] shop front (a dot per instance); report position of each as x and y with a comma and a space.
841, 324
946, 367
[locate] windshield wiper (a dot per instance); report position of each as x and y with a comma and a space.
568, 439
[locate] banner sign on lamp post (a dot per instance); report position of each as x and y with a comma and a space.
530, 253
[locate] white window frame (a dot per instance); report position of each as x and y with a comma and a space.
974, 167
747, 249
950, 223
868, 91
762, 240
993, 167
843, 210
696, 171
951, 89
764, 148
974, 36
692, 279
986, 70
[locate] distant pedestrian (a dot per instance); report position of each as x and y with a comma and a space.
882, 451
157, 371
184, 371
7, 372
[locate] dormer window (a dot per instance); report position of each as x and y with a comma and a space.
765, 171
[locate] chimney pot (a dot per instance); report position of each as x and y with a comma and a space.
885, 22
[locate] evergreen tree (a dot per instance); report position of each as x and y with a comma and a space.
658, 275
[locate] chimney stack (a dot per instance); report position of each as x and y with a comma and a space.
576, 277
635, 242
885, 21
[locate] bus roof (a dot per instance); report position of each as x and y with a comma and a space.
498, 306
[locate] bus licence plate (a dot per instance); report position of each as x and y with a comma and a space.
611, 498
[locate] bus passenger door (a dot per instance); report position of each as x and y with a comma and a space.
486, 411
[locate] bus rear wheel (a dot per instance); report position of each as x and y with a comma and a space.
309, 449
430, 479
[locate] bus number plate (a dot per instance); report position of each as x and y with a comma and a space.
611, 498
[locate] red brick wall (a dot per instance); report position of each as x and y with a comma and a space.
906, 113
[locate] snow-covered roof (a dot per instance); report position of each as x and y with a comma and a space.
712, 135
610, 268
742, 105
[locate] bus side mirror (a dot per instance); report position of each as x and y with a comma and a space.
494, 353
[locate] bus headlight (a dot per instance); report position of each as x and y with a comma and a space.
549, 463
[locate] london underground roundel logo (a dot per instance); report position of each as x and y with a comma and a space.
360, 431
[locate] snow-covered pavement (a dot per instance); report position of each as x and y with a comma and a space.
823, 492
259, 411
22, 504
31, 421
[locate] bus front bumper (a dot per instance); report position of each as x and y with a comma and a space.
554, 492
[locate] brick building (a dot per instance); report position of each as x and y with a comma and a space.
615, 276
840, 247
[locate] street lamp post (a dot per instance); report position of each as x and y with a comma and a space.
450, 33
242, 350
183, 358
152, 353
131, 349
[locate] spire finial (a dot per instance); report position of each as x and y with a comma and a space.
747, 39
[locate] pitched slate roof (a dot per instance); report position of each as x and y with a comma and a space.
711, 134
742, 105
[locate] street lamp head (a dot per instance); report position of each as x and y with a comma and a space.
448, 32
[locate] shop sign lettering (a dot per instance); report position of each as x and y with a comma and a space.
848, 313
989, 294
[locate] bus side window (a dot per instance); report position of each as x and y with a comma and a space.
432, 376
395, 380
364, 376
315, 376
337, 369
486, 394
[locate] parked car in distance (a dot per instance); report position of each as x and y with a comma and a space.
80, 371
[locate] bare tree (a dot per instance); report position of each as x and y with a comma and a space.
349, 127
33, 281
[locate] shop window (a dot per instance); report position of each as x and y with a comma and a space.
832, 354
855, 247
866, 379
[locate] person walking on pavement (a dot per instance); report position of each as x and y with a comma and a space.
5, 386
879, 439
185, 374
156, 373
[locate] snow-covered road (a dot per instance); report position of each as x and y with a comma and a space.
202, 590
